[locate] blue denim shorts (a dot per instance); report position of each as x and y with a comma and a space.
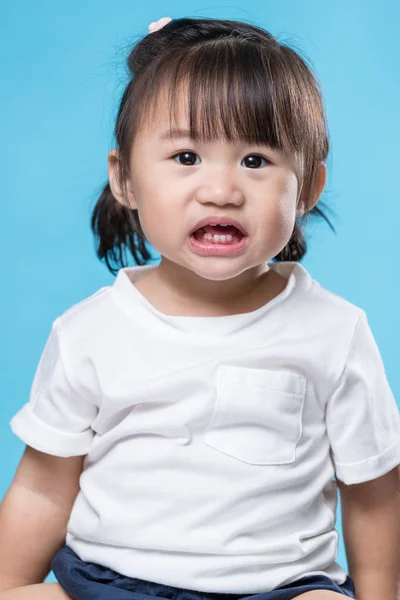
90, 581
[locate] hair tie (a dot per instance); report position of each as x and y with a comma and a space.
156, 25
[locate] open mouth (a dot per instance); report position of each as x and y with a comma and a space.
218, 240
218, 234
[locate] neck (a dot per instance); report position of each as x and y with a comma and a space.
189, 291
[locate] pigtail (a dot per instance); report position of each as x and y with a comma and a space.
115, 228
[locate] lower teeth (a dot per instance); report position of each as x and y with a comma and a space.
216, 239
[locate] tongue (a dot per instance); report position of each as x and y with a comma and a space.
219, 230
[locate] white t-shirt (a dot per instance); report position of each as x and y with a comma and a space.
212, 443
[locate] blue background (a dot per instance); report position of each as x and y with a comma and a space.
63, 73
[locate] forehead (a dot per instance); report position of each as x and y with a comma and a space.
165, 113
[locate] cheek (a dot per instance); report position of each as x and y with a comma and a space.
157, 217
284, 199
281, 210
289, 187
287, 219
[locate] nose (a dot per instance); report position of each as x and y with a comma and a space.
220, 187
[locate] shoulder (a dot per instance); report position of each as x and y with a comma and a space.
337, 305
82, 323
315, 303
327, 315
86, 306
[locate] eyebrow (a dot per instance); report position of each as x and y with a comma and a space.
174, 134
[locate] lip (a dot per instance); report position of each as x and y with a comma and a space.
218, 221
213, 249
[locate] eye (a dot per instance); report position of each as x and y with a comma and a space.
188, 160
187, 156
255, 163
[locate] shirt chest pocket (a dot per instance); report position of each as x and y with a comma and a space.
258, 415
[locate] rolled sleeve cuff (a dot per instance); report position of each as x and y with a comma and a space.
372, 467
48, 439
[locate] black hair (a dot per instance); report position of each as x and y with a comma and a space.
243, 85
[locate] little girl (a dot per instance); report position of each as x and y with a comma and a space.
189, 426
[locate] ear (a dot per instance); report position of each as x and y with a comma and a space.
118, 192
322, 173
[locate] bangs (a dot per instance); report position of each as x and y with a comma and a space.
232, 92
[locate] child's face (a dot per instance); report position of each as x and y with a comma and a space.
173, 194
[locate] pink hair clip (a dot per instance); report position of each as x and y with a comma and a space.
156, 25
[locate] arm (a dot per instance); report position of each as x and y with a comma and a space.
371, 530
34, 514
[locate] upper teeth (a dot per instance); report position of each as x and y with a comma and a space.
221, 224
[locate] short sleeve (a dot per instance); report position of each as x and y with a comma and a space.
57, 419
362, 417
